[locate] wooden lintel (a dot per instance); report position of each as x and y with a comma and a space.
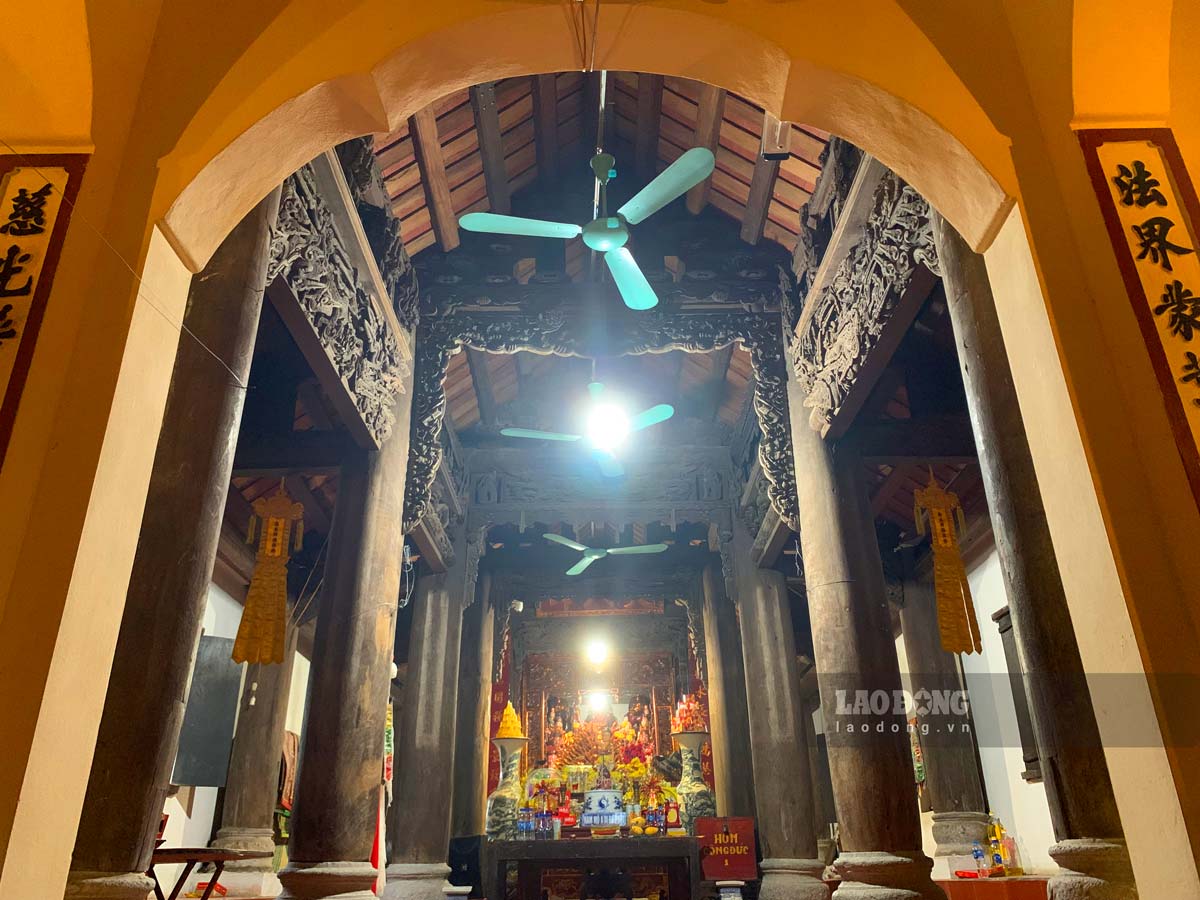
300, 328
545, 124
432, 166
277, 456
916, 292
491, 147
708, 131
430, 538
649, 111
762, 189
772, 535
481, 379
936, 439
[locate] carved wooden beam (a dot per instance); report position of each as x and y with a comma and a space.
433, 543
935, 439
491, 147
545, 124
709, 114
649, 111
481, 379
762, 189
293, 452
432, 166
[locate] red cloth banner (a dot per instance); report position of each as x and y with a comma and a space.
727, 849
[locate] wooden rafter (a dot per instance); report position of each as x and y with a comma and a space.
491, 146
545, 124
432, 166
481, 380
649, 110
315, 517
709, 113
758, 205
891, 485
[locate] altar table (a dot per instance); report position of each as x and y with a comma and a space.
190, 857
679, 854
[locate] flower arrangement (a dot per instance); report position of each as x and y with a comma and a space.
690, 714
584, 744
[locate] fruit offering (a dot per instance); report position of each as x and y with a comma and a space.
689, 715
510, 725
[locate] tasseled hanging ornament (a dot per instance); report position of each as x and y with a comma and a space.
955, 610
262, 632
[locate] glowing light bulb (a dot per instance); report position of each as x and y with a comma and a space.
607, 427
598, 701
597, 652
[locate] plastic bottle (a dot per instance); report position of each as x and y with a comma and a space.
997, 853
981, 865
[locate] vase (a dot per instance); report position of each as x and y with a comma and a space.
505, 801
696, 800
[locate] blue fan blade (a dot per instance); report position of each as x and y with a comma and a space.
651, 416
566, 542
539, 435
582, 564
676, 179
595, 389
491, 223
610, 467
635, 289
640, 548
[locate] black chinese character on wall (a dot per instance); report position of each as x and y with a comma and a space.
1152, 239
10, 268
28, 215
1191, 372
1182, 308
8, 328
1137, 186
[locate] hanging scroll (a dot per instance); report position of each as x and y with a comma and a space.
37, 194
955, 610
1152, 214
263, 629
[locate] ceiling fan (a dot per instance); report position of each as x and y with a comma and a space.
591, 554
607, 427
608, 234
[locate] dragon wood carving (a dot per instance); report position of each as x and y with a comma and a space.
848, 317
556, 332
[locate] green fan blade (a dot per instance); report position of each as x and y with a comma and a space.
595, 389
641, 548
491, 223
635, 289
610, 467
566, 542
676, 179
539, 435
651, 416
582, 564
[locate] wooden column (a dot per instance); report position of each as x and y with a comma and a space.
252, 785
729, 719
782, 785
1087, 827
419, 826
474, 707
341, 766
855, 651
168, 588
952, 778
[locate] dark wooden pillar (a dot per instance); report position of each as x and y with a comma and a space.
341, 764
872, 771
1087, 826
474, 706
252, 785
419, 826
177, 548
729, 719
952, 777
782, 786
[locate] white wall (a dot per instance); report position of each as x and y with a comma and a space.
1021, 806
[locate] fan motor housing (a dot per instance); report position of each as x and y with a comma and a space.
606, 233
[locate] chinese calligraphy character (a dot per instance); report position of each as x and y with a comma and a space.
1152, 238
1183, 309
29, 213
1138, 186
9, 268
1191, 372
8, 329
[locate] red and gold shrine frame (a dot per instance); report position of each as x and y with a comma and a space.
1152, 214
37, 195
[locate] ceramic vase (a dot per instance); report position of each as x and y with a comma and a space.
504, 803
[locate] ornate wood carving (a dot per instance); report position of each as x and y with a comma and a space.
842, 325
571, 332
309, 255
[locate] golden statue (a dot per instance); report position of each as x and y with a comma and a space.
955, 610
262, 632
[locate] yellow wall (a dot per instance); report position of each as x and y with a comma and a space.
196, 109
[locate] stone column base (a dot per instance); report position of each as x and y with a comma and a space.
108, 885
792, 879
415, 881
954, 832
255, 877
1092, 869
321, 880
897, 875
